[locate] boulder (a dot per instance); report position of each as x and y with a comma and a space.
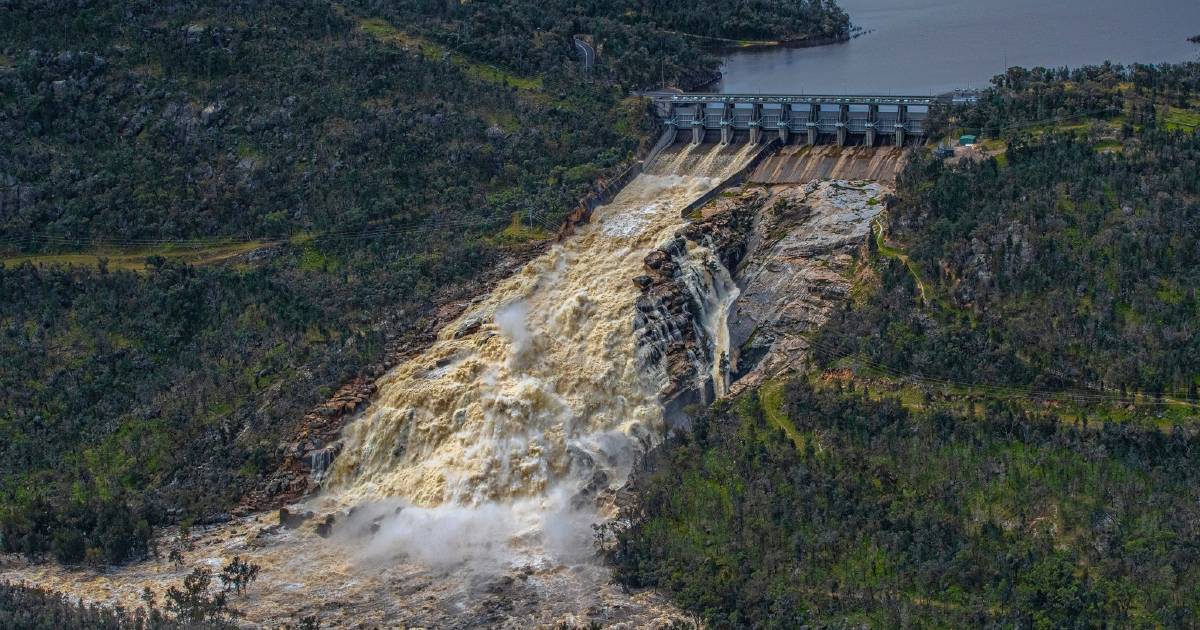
325, 527
287, 520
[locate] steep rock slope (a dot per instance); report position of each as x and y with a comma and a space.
799, 272
788, 251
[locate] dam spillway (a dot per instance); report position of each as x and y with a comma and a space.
464, 496
477, 472
541, 387
816, 119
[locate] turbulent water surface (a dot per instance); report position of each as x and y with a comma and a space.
532, 396
490, 455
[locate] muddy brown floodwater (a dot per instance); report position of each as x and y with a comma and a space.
465, 494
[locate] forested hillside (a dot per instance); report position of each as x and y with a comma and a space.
864, 512
153, 121
639, 43
1000, 427
1070, 261
233, 207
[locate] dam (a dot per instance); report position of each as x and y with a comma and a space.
804, 119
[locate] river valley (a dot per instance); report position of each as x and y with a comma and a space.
465, 493
516, 334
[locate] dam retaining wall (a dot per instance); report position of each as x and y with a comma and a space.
802, 164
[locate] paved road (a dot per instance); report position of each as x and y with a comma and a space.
589, 53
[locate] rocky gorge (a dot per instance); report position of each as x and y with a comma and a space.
790, 250
484, 454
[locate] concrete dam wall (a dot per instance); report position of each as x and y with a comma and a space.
797, 119
798, 164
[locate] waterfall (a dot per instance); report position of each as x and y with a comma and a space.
319, 461
713, 291
683, 321
538, 397
467, 490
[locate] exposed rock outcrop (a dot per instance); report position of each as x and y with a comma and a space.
681, 276
804, 249
791, 249
304, 459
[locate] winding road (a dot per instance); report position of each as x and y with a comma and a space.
588, 52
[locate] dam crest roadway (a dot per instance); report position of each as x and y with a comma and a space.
805, 119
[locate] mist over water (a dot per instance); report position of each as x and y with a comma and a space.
465, 496
491, 537
489, 450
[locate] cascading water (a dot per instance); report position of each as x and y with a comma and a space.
464, 496
683, 320
713, 291
537, 396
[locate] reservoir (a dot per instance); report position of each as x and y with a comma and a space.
922, 47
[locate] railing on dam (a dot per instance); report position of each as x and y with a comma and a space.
812, 119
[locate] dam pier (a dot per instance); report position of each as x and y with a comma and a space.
800, 119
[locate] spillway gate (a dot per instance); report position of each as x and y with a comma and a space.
809, 119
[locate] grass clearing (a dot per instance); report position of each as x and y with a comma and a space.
519, 232
384, 31
1079, 127
1182, 120
1092, 408
135, 259
770, 399
993, 145
892, 252
128, 259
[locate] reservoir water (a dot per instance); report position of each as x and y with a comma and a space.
934, 46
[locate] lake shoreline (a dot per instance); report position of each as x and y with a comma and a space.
930, 47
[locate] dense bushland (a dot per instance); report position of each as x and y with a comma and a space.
126, 398
127, 395
1072, 261
1068, 263
870, 513
640, 43
154, 120
1023, 100
129, 398
383, 160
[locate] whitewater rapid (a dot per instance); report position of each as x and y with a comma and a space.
536, 393
464, 496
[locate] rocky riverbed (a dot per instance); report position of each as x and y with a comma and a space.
806, 245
